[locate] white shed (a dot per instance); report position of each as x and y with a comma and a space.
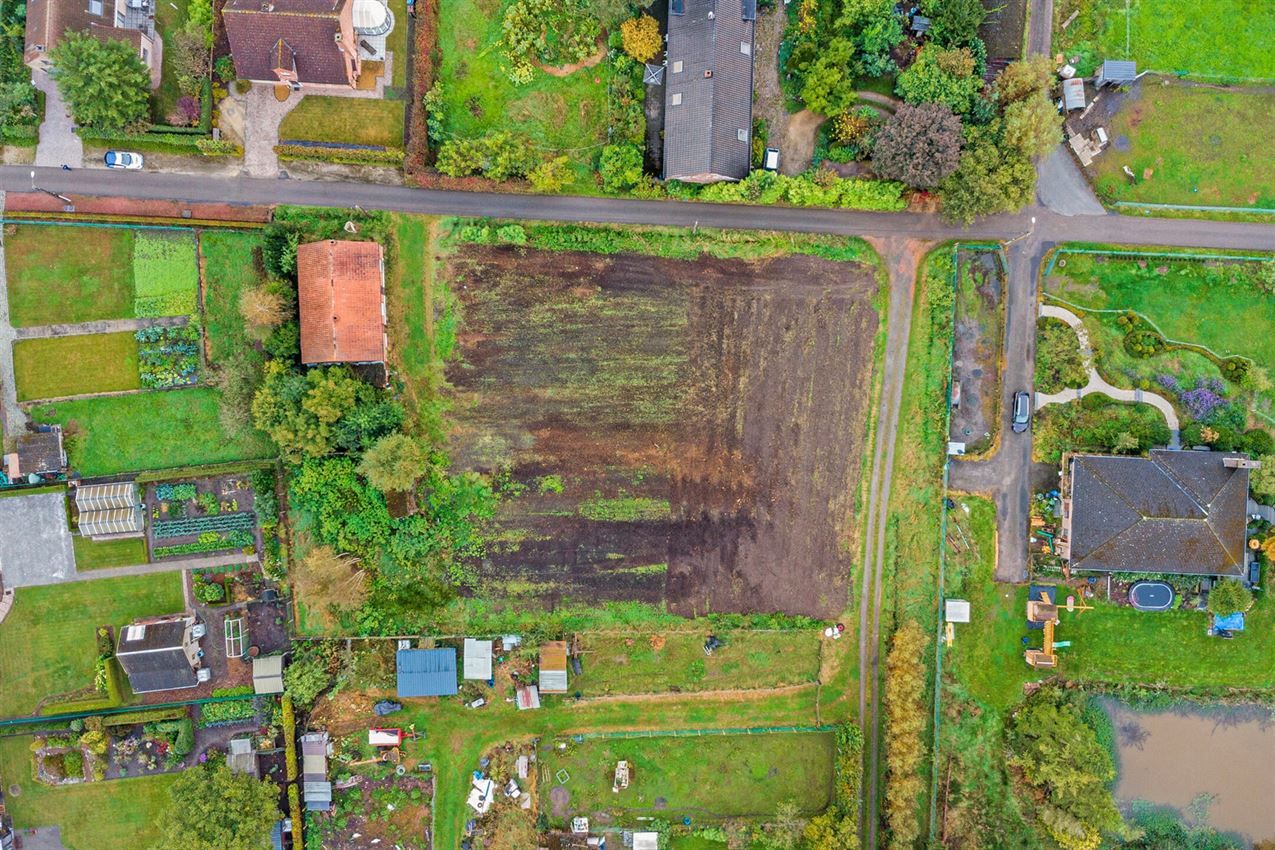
477, 659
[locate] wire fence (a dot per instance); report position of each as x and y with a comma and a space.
56, 719
1192, 208
700, 733
1128, 254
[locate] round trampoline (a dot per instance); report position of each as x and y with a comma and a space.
1151, 596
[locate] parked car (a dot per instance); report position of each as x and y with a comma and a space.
123, 159
770, 161
1022, 415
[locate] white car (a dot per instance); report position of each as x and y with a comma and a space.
123, 159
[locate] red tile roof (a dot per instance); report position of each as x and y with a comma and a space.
340, 292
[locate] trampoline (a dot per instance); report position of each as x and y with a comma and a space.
1151, 596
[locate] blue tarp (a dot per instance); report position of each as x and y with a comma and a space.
1231, 622
427, 673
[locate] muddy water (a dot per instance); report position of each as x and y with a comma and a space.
1170, 757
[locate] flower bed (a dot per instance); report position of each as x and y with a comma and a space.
168, 357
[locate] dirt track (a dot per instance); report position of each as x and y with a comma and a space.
704, 420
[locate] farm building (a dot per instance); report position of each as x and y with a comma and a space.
315, 787
109, 510
427, 673
708, 95
477, 659
267, 674
341, 300
1173, 512
553, 667
160, 653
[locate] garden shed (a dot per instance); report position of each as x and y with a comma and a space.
242, 758
553, 667
1116, 72
159, 653
646, 841
38, 454
427, 672
1073, 94
477, 659
267, 674
528, 697
315, 787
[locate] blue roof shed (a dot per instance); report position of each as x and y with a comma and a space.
427, 673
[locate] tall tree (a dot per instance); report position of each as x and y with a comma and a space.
213, 809
988, 180
954, 23
941, 76
104, 82
1033, 126
394, 462
1020, 80
919, 145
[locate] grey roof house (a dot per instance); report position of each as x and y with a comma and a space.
708, 91
159, 653
1173, 512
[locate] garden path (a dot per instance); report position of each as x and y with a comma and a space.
263, 113
105, 326
1098, 385
14, 419
183, 564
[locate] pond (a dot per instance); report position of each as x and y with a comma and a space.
1171, 757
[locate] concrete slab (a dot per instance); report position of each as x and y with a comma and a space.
35, 542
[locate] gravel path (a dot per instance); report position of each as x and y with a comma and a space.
263, 115
105, 326
58, 144
1098, 385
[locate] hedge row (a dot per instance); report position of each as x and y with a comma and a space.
340, 156
153, 715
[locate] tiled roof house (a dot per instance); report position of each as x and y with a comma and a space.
294, 41
131, 21
708, 92
1177, 512
341, 298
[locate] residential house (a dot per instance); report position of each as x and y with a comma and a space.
427, 673
37, 455
708, 92
294, 42
160, 653
1173, 512
553, 667
131, 21
107, 511
341, 299
316, 790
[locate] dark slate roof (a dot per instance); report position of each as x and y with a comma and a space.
702, 133
260, 31
162, 670
41, 452
1174, 512
427, 672
1119, 70
147, 637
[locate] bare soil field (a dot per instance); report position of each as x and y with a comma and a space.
669, 430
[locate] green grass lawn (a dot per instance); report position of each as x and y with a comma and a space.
567, 114
750, 659
1211, 39
356, 121
97, 554
154, 430
396, 43
74, 365
170, 15
47, 642
92, 816
68, 274
708, 778
1191, 146
230, 267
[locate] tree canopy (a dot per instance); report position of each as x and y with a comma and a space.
919, 145
394, 462
103, 82
213, 809
1229, 596
988, 180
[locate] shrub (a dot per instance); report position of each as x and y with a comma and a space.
642, 38
209, 592
500, 155
218, 147
551, 175
1228, 596
620, 167
73, 764
919, 145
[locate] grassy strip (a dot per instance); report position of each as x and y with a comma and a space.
55, 277
75, 365
154, 430
345, 120
96, 554
47, 641
231, 265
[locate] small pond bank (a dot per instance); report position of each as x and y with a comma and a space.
1171, 757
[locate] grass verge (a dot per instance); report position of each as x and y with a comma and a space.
355, 121
63, 274
75, 365
98, 554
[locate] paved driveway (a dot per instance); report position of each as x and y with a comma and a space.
58, 143
35, 542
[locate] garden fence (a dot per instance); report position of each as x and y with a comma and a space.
1192, 208
697, 733
57, 719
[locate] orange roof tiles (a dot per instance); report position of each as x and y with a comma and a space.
340, 292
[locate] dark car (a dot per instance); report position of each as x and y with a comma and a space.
1022, 415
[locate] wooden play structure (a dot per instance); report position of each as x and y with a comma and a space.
1043, 610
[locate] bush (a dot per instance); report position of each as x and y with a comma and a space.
1143, 342
500, 155
340, 156
73, 764
1228, 596
208, 592
641, 37
218, 147
620, 167
551, 175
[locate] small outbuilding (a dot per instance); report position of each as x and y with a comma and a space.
956, 610
159, 653
1073, 94
109, 510
1116, 72
242, 758
267, 674
316, 790
553, 667
481, 795
37, 456
646, 841
528, 697
477, 659
427, 673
